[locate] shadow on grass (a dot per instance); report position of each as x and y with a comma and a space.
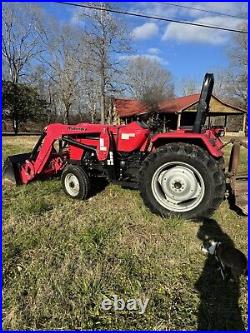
97, 185
232, 202
219, 308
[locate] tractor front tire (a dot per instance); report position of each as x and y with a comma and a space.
182, 179
75, 182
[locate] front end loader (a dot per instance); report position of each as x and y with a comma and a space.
178, 172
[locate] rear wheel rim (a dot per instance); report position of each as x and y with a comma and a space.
178, 186
72, 184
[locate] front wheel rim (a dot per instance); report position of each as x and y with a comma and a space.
178, 186
72, 184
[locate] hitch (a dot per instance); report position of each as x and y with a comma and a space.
238, 184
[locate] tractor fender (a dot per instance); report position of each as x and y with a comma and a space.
212, 145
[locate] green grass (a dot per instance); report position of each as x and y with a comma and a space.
62, 257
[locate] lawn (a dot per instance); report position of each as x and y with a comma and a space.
62, 257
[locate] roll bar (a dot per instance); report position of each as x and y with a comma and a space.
203, 104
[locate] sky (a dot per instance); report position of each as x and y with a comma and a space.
187, 51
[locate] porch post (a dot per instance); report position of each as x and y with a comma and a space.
164, 122
225, 123
244, 122
178, 120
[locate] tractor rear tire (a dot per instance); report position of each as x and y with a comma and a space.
182, 179
75, 182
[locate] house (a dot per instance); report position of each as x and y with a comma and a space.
181, 111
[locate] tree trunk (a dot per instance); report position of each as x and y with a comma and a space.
15, 122
110, 112
102, 72
15, 125
93, 114
102, 108
66, 114
102, 99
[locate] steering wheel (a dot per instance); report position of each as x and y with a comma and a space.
142, 124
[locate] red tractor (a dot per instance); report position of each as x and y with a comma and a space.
177, 172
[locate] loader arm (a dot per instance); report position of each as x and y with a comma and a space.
41, 154
51, 134
42, 160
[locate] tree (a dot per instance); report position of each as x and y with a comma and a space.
44, 85
106, 37
63, 67
148, 80
24, 100
89, 96
232, 83
21, 35
238, 55
189, 87
151, 83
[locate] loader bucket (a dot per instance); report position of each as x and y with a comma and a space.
12, 165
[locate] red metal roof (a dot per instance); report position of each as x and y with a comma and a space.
127, 107
178, 104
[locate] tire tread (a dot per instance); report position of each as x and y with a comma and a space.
82, 177
191, 151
